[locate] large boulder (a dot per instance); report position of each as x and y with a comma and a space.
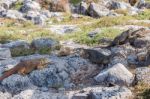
30, 5
97, 55
117, 74
16, 83
46, 78
96, 10
44, 43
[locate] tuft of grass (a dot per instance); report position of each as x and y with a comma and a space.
111, 21
122, 11
83, 38
142, 91
17, 5
145, 15
21, 52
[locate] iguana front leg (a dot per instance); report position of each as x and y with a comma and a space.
22, 71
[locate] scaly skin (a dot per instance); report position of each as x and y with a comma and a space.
127, 35
25, 67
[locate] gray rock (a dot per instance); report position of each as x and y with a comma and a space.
97, 55
83, 8
37, 94
64, 75
99, 92
94, 32
96, 10
7, 4
2, 11
16, 83
16, 44
46, 78
116, 92
5, 95
5, 53
29, 5
44, 43
13, 14
40, 19
30, 15
118, 74
112, 5
142, 75
142, 42
46, 13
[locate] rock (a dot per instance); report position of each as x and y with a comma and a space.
142, 42
7, 4
37, 94
5, 95
117, 74
40, 19
96, 10
146, 5
5, 53
112, 5
16, 83
64, 29
30, 15
111, 93
44, 43
94, 32
82, 9
46, 78
16, 44
46, 13
13, 14
97, 55
29, 5
142, 75
2, 11
115, 92
64, 75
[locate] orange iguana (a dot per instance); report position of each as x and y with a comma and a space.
26, 66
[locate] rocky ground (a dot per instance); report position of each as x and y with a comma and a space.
99, 51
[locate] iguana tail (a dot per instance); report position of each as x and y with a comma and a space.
8, 73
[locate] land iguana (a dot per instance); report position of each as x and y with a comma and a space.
26, 66
128, 35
